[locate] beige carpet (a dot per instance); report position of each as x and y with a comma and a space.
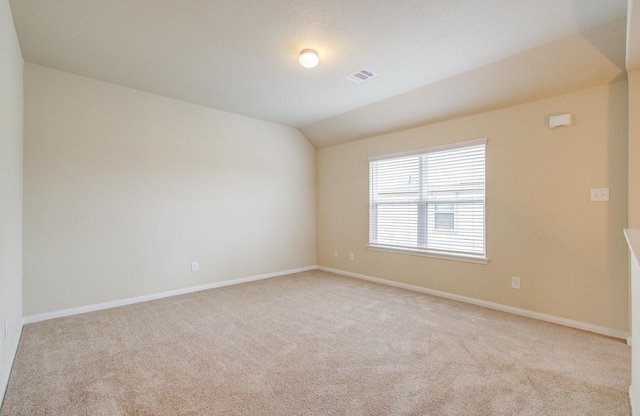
313, 344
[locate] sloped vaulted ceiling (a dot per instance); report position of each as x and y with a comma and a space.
435, 58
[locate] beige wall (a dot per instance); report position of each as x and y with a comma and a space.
570, 253
634, 149
634, 223
11, 117
124, 189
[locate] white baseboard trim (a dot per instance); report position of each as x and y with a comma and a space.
504, 308
632, 400
146, 298
14, 351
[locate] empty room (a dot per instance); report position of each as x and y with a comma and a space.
324, 208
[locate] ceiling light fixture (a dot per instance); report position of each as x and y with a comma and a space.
309, 58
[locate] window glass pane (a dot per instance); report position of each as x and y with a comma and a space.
398, 224
444, 207
397, 179
431, 201
444, 221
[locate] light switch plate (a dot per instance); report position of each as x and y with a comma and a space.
599, 194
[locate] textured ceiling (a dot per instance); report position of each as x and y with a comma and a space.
241, 56
593, 57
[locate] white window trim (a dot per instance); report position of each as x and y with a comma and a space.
457, 145
430, 253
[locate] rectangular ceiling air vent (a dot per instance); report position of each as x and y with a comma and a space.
361, 76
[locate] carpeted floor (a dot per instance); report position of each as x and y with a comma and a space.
313, 343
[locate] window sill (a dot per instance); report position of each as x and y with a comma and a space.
425, 253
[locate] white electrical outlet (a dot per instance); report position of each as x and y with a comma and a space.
515, 283
599, 194
335, 253
351, 256
194, 266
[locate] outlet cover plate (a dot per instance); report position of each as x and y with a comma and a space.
515, 283
599, 194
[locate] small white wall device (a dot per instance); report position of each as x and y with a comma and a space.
563, 120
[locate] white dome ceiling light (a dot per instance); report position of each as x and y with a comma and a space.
309, 58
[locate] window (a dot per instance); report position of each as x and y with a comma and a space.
430, 202
444, 216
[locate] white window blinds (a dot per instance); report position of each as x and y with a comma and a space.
431, 201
